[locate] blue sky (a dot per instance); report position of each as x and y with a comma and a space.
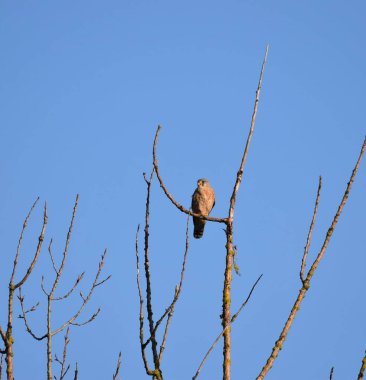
84, 86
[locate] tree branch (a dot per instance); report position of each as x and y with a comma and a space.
306, 284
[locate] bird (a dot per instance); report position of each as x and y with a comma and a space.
203, 201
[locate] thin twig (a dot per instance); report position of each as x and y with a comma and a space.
362, 369
24, 317
118, 367
222, 332
63, 370
331, 373
20, 240
239, 175
170, 197
308, 240
306, 284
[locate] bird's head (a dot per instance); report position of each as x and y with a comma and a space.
203, 182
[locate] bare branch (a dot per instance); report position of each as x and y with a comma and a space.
308, 240
51, 256
222, 332
85, 300
60, 270
88, 321
306, 284
141, 315
64, 369
117, 368
20, 240
77, 281
43, 288
148, 278
251, 130
362, 369
24, 317
38, 250
170, 197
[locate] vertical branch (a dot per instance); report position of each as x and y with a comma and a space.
230, 252
306, 283
8, 335
148, 279
141, 314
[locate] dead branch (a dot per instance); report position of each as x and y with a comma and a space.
222, 332
306, 283
331, 373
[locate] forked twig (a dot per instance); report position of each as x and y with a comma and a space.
308, 240
306, 283
222, 332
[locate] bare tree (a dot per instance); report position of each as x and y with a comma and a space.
51, 297
7, 334
231, 251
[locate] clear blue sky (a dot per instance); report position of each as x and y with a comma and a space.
84, 85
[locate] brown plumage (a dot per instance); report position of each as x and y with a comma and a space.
203, 201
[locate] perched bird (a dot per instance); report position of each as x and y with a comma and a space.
203, 201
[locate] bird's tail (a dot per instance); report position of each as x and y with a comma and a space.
199, 226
